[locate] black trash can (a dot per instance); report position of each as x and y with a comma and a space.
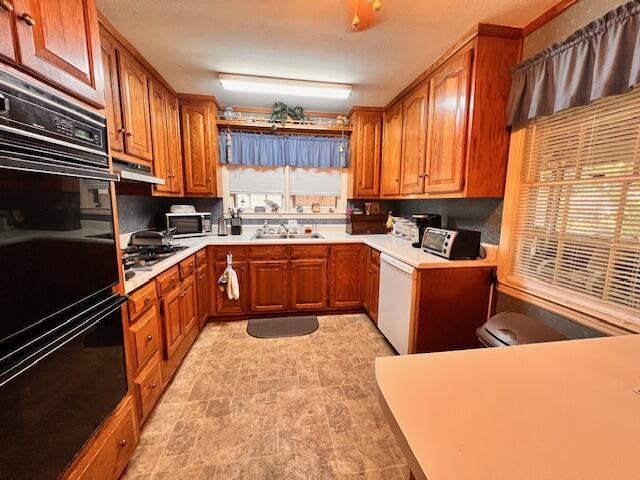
510, 328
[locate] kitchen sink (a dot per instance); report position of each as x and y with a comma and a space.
285, 236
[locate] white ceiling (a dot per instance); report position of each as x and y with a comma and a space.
188, 41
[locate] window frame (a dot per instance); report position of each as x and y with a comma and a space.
574, 305
287, 210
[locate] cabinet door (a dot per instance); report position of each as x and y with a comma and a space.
269, 285
368, 149
202, 276
224, 306
198, 149
189, 304
414, 135
7, 31
392, 150
113, 108
448, 107
59, 40
374, 287
174, 143
345, 272
135, 105
308, 284
171, 321
159, 134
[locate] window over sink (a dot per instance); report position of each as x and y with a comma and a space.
268, 191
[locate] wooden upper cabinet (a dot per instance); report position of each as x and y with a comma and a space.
159, 134
59, 40
7, 31
199, 152
414, 139
174, 144
367, 145
308, 283
447, 125
392, 151
115, 128
134, 87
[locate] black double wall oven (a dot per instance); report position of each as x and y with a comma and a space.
62, 361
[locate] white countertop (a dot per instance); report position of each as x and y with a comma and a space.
562, 410
395, 247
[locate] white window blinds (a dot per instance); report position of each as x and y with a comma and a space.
321, 182
577, 220
254, 180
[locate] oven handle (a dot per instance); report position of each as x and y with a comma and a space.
41, 167
43, 352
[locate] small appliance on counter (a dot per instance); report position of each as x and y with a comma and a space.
424, 221
187, 222
452, 244
223, 230
359, 224
402, 227
152, 237
236, 222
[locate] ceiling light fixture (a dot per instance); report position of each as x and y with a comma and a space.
281, 86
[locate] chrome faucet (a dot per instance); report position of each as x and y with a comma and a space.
286, 229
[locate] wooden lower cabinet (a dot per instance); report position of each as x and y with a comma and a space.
148, 388
106, 455
345, 272
308, 284
202, 279
220, 303
269, 285
172, 326
189, 304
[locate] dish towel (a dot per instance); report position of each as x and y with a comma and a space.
229, 281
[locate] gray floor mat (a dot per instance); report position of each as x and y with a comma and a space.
282, 326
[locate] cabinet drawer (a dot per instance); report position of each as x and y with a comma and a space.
145, 337
375, 257
168, 280
116, 444
141, 299
201, 257
305, 251
148, 388
188, 266
269, 251
220, 253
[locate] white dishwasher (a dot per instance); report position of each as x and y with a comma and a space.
394, 307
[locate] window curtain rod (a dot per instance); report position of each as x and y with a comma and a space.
597, 61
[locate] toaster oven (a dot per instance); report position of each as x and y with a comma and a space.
189, 224
452, 244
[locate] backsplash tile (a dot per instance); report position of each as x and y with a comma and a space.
142, 212
483, 214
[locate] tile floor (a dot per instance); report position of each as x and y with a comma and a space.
288, 408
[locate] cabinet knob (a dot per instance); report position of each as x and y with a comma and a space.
6, 5
123, 442
28, 19
121, 130
153, 385
129, 134
147, 300
149, 338
284, 268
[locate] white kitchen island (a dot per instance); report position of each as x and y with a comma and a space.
563, 411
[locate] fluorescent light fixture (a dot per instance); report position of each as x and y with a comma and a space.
281, 86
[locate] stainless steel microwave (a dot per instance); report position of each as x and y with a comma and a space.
190, 224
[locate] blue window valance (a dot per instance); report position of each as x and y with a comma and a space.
268, 150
